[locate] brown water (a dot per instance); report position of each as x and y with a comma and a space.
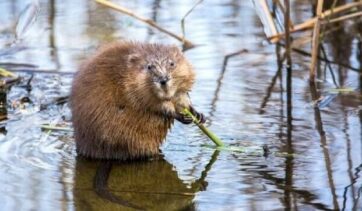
246, 98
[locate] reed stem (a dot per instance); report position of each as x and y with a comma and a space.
204, 129
315, 41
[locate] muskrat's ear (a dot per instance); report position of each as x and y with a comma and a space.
132, 59
176, 52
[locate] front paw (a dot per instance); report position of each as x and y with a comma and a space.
199, 116
184, 119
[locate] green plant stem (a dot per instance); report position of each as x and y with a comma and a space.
6, 73
59, 128
204, 129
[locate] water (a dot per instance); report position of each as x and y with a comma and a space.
246, 99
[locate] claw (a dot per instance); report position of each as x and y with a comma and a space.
202, 118
184, 119
199, 116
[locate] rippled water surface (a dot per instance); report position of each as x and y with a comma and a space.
245, 97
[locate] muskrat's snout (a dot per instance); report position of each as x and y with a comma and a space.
164, 80
164, 87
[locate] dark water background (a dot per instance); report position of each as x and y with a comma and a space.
245, 98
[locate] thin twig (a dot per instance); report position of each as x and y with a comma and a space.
346, 17
329, 67
183, 20
150, 22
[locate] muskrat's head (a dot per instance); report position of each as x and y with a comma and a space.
162, 72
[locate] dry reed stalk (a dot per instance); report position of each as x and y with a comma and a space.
280, 5
308, 37
311, 22
187, 43
315, 41
267, 19
287, 33
345, 17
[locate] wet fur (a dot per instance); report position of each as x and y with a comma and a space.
116, 111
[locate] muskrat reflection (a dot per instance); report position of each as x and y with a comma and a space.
144, 185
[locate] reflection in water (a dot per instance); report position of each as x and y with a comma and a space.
350, 164
278, 74
327, 65
101, 187
201, 184
337, 43
355, 199
289, 161
219, 81
323, 140
151, 185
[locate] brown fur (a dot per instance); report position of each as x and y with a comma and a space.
119, 111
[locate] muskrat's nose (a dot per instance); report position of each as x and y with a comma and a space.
164, 80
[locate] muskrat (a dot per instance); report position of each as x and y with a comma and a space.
125, 98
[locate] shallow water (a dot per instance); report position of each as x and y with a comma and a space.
246, 100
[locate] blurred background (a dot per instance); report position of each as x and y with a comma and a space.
244, 88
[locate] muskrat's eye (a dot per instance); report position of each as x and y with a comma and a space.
149, 67
172, 64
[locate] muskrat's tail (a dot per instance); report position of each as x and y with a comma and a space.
101, 185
